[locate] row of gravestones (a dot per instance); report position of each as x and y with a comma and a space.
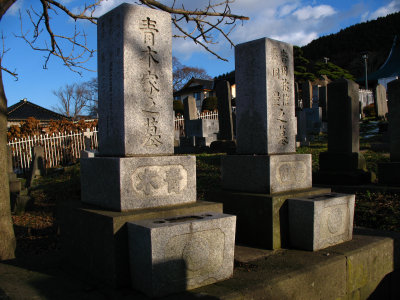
144, 197
312, 113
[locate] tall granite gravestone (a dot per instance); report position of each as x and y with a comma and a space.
307, 94
265, 170
343, 162
389, 173
135, 176
381, 106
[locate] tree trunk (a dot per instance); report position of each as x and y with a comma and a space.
7, 237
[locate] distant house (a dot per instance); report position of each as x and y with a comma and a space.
202, 88
24, 109
197, 88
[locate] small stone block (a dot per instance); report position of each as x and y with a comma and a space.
125, 183
181, 253
266, 173
320, 221
87, 154
202, 127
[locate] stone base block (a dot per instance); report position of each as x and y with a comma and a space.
344, 177
262, 219
267, 173
329, 161
317, 222
95, 241
201, 127
126, 183
182, 253
389, 173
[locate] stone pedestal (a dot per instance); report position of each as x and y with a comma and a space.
95, 241
181, 253
266, 173
262, 219
317, 222
125, 183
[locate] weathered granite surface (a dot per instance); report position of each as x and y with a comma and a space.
135, 82
124, 183
265, 115
180, 253
317, 222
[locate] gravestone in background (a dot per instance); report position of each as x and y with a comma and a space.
389, 173
381, 105
343, 162
323, 102
135, 176
315, 96
37, 167
198, 132
307, 94
190, 109
223, 92
302, 135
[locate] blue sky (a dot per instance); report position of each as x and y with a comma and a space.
294, 21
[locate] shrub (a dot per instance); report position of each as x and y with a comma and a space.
178, 107
210, 104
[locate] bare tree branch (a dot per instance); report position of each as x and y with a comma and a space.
79, 54
3, 52
208, 22
205, 12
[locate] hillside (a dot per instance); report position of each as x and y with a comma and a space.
346, 47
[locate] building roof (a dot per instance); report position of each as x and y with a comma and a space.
391, 67
25, 109
194, 85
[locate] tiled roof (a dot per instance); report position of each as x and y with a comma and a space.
25, 109
196, 84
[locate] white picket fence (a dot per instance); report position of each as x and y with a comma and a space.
64, 148
59, 148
